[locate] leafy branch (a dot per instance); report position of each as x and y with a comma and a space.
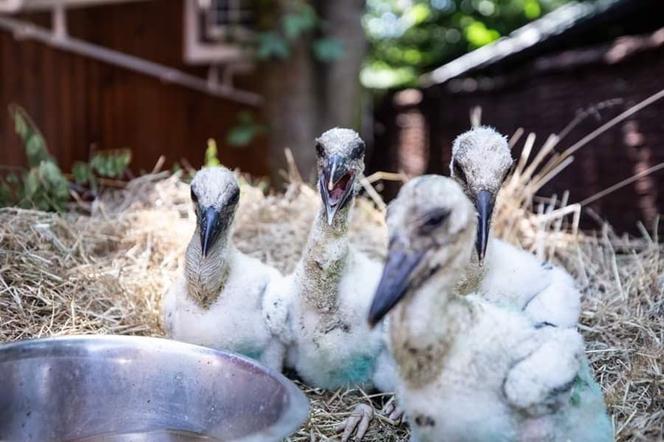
43, 185
299, 20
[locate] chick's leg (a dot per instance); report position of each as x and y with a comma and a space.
357, 422
393, 411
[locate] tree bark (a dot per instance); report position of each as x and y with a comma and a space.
341, 88
291, 110
304, 97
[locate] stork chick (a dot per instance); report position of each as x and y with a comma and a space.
500, 272
470, 370
330, 343
218, 300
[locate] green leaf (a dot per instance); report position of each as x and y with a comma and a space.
212, 154
98, 165
241, 136
53, 181
44, 186
244, 131
20, 124
35, 150
82, 172
479, 35
112, 163
328, 49
33, 142
272, 45
419, 13
532, 9
297, 23
30, 184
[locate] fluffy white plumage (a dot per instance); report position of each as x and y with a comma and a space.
329, 293
471, 370
220, 298
509, 276
505, 380
512, 277
331, 349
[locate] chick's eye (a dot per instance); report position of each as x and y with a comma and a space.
434, 220
320, 150
357, 151
458, 172
234, 197
194, 198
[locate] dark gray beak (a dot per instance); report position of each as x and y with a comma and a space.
336, 185
394, 282
484, 201
209, 227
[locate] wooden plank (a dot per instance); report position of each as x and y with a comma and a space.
82, 102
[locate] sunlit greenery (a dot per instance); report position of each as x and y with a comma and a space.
277, 32
410, 37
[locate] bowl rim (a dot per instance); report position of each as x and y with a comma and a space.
293, 418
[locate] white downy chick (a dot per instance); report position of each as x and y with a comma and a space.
218, 300
500, 272
329, 293
470, 370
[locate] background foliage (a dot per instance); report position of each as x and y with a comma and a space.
282, 23
43, 185
410, 37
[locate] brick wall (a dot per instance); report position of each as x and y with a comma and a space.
545, 102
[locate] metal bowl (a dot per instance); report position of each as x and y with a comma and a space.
120, 388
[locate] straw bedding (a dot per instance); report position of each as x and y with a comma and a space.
103, 271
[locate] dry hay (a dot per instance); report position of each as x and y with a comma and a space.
105, 272
72, 273
623, 324
329, 409
621, 280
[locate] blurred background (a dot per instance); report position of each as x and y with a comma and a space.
105, 88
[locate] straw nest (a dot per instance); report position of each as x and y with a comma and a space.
103, 271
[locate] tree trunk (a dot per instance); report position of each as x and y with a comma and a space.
304, 97
341, 88
290, 110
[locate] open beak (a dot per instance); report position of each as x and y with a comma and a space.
209, 227
484, 201
336, 185
394, 282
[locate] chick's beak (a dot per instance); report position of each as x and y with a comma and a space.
209, 228
484, 201
336, 185
395, 280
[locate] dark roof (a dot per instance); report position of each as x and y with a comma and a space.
572, 25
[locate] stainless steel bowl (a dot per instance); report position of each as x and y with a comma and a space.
120, 388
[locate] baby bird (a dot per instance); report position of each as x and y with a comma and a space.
500, 272
218, 300
470, 370
329, 293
